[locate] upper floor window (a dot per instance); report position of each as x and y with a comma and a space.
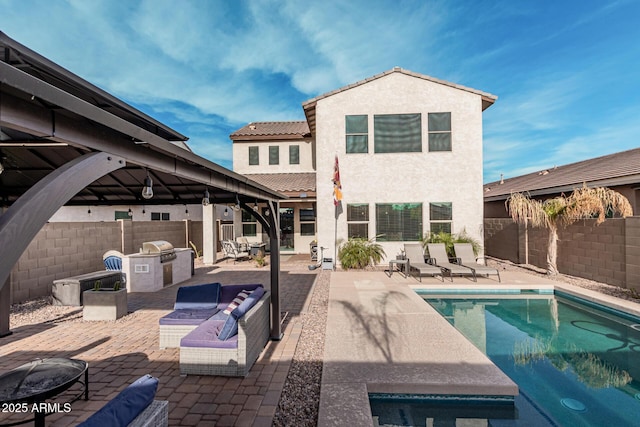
439, 131
274, 155
357, 131
294, 154
254, 156
397, 133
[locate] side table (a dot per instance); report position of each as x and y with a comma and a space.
402, 264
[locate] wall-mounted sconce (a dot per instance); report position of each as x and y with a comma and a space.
130, 213
255, 206
89, 211
186, 210
205, 198
147, 190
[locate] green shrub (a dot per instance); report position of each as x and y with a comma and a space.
449, 240
360, 253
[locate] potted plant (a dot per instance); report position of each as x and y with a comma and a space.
104, 303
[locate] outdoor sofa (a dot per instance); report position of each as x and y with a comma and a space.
211, 341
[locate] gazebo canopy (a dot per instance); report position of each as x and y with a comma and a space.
64, 141
50, 116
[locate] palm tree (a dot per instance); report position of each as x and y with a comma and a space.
583, 203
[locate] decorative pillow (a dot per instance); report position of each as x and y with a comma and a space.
229, 329
248, 303
242, 295
127, 405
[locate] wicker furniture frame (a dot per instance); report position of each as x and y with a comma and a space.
170, 335
253, 334
155, 415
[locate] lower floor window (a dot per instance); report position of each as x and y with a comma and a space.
440, 215
249, 224
307, 221
358, 221
398, 222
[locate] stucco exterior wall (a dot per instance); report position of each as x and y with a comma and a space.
424, 177
241, 157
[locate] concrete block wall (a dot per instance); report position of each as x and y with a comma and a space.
607, 253
632, 252
63, 249
138, 232
501, 239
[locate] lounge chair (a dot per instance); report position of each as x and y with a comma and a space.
438, 252
466, 257
415, 256
231, 250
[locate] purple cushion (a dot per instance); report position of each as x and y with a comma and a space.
206, 335
198, 296
229, 292
188, 316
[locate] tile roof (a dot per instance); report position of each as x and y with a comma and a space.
272, 130
309, 106
286, 182
489, 97
615, 169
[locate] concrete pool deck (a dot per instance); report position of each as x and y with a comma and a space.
381, 337
366, 347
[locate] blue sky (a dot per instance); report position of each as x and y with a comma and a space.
566, 73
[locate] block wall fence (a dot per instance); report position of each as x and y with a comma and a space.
607, 253
65, 249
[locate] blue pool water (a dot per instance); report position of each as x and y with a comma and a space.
575, 364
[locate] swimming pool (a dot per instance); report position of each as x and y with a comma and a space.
574, 362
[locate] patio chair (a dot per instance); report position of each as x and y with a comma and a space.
466, 257
243, 244
113, 262
438, 252
415, 256
232, 250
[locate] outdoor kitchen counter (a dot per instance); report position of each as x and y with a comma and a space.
148, 272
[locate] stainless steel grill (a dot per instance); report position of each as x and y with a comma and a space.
162, 247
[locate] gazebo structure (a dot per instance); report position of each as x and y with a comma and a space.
64, 141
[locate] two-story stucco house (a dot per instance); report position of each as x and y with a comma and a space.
410, 154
